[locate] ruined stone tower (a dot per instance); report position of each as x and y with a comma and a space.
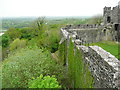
112, 16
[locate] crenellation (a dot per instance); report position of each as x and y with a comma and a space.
83, 26
111, 15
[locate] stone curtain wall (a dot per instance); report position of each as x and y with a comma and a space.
83, 26
105, 68
90, 33
89, 36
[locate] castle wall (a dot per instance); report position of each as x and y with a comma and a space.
119, 15
113, 13
92, 33
105, 68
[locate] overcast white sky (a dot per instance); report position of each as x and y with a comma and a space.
17, 8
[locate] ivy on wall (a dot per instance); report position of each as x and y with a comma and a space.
71, 63
83, 77
78, 72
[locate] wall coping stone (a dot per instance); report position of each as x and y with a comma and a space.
109, 58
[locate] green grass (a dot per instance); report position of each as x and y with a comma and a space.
109, 46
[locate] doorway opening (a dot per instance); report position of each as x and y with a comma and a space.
108, 19
116, 27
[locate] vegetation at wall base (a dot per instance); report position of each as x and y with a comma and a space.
79, 73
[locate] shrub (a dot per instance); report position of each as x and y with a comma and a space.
44, 82
19, 67
5, 40
13, 33
26, 33
49, 40
53, 39
17, 43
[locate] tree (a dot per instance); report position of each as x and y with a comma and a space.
13, 33
5, 40
38, 26
40, 23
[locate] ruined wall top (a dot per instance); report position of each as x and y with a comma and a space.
107, 8
82, 26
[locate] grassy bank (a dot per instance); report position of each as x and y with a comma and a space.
109, 46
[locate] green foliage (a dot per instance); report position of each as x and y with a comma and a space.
23, 33
5, 40
16, 22
13, 33
20, 66
27, 33
39, 26
53, 40
54, 26
44, 82
83, 77
32, 43
40, 22
80, 76
71, 63
17, 44
24, 63
5, 52
0, 53
49, 40
62, 52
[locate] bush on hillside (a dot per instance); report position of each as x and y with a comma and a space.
5, 40
13, 33
49, 40
20, 67
27, 33
17, 43
44, 82
54, 39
